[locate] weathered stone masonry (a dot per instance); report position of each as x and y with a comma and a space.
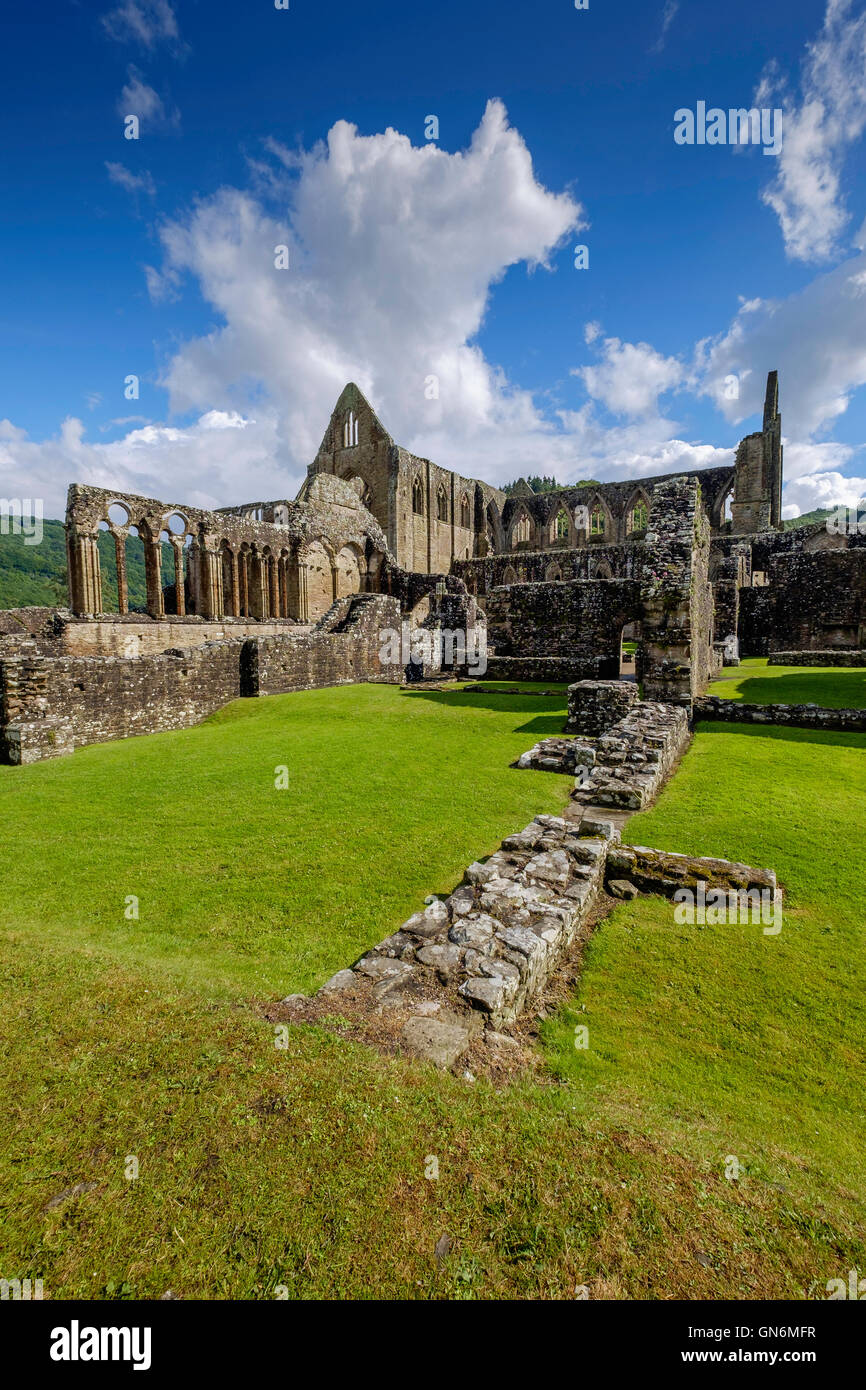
50, 705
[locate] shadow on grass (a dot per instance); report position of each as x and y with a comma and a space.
782, 732
541, 724
838, 687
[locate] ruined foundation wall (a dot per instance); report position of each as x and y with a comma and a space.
50, 705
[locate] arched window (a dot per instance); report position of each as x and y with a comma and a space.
520, 531
442, 504
596, 521
350, 431
639, 515
465, 513
559, 528
417, 498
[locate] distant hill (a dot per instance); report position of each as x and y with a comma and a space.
808, 518
35, 575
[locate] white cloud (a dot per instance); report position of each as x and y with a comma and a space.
816, 339
395, 250
133, 183
822, 490
630, 377
669, 14
148, 22
220, 459
139, 99
807, 193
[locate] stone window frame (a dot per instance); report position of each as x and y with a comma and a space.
417, 496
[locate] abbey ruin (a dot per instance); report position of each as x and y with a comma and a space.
276, 596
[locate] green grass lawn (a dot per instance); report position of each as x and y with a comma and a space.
756, 682
305, 1167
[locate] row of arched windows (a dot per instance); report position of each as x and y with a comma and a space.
560, 531
443, 509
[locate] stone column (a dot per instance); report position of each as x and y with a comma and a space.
153, 576
212, 587
85, 574
235, 585
273, 587
122, 588
179, 593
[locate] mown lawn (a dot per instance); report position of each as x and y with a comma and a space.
756, 682
304, 1169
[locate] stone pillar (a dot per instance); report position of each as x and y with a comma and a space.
85, 574
120, 556
235, 585
153, 576
258, 586
273, 587
303, 593
212, 586
179, 592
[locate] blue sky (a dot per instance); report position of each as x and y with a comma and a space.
155, 257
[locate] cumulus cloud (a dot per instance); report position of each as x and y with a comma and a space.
818, 129
394, 251
817, 340
630, 377
223, 457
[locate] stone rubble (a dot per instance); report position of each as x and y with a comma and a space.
482, 955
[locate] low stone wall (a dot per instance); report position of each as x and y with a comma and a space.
831, 658
627, 766
624, 767
488, 949
50, 705
595, 706
344, 649
661, 871
795, 716
559, 669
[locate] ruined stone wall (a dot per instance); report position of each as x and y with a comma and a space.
756, 616
816, 658
95, 699
818, 601
677, 617
48, 704
137, 635
579, 622
546, 566
795, 716
345, 649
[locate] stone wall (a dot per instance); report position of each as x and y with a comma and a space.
579, 622
676, 596
818, 601
595, 706
797, 716
488, 950
831, 658
50, 705
344, 649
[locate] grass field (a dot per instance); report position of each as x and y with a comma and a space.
305, 1167
756, 682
